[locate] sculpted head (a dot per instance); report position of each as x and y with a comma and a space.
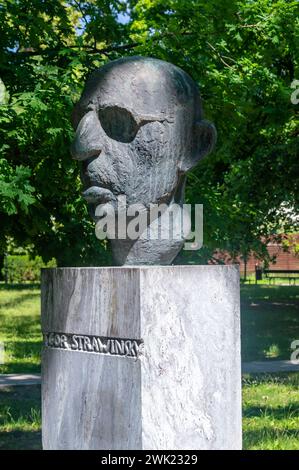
139, 129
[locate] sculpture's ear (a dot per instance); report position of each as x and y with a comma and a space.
204, 139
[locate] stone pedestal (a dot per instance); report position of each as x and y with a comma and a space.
141, 358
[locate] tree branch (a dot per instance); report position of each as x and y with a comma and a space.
92, 49
89, 49
220, 56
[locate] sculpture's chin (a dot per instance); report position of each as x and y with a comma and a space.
158, 243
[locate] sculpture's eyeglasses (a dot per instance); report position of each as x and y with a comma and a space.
122, 124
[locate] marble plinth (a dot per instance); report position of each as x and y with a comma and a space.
141, 358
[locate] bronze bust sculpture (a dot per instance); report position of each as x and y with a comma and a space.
139, 129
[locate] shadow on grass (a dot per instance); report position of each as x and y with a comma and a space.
266, 292
19, 286
13, 303
20, 400
23, 344
254, 438
269, 321
20, 422
279, 412
24, 367
20, 440
291, 379
20, 326
20, 330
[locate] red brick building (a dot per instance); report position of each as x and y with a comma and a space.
285, 254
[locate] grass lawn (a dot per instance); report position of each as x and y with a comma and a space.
20, 417
269, 321
20, 328
271, 411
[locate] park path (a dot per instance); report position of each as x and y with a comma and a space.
255, 367
7, 380
269, 367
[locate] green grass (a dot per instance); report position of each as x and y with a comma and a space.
20, 328
287, 280
20, 417
271, 411
269, 321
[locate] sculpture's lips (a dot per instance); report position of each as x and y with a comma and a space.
95, 194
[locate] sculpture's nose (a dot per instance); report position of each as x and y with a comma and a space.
87, 142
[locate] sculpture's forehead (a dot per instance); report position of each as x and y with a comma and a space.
147, 86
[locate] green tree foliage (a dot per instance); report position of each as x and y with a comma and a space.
244, 55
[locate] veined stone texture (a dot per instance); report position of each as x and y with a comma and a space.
183, 391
